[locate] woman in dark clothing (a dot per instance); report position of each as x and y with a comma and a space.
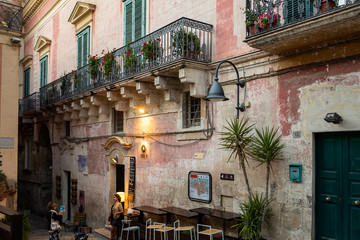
52, 214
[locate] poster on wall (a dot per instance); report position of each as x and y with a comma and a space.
200, 186
132, 179
82, 163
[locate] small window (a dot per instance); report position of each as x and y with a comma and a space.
27, 154
191, 111
27, 82
118, 121
83, 47
43, 71
67, 128
134, 19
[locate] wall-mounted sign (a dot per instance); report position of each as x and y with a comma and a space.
132, 167
226, 176
200, 186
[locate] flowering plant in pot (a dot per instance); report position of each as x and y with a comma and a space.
129, 58
93, 66
263, 20
108, 62
187, 41
151, 49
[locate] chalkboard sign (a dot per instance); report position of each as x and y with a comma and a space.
132, 177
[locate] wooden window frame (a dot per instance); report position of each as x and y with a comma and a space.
82, 59
133, 23
44, 67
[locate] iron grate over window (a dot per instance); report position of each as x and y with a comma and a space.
118, 121
192, 111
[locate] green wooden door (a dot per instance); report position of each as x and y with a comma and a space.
337, 186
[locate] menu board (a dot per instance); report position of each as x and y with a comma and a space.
132, 177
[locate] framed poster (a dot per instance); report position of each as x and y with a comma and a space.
200, 186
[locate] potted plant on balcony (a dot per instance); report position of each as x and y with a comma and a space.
250, 19
108, 62
151, 50
326, 5
263, 20
64, 84
76, 79
129, 59
93, 66
187, 41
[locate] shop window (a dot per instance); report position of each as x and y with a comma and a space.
191, 111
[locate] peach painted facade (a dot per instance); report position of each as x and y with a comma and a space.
73, 137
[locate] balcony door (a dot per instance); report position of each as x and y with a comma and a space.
337, 200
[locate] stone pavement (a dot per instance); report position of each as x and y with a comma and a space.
38, 230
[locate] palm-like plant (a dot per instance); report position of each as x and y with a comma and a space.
265, 148
237, 139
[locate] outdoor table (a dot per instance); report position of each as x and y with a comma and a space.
148, 209
177, 211
214, 213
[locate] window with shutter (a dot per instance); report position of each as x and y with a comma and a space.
83, 47
294, 11
43, 71
134, 20
27, 82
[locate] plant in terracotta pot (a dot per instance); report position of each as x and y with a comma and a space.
263, 21
93, 66
327, 5
108, 62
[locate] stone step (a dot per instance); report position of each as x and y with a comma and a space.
102, 233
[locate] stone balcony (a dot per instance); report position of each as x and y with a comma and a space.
182, 43
303, 27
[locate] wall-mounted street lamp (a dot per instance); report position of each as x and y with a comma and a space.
333, 118
216, 92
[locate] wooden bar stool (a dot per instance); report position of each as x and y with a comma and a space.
125, 227
163, 229
149, 227
178, 229
208, 230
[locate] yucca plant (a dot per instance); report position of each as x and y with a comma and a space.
237, 139
250, 217
265, 148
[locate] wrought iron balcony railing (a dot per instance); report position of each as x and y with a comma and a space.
29, 103
265, 15
182, 39
10, 16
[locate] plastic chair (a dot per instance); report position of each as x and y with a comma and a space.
149, 226
163, 229
178, 229
129, 229
209, 231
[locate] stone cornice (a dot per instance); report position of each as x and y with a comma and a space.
31, 8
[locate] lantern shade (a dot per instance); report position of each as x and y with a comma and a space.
216, 93
122, 195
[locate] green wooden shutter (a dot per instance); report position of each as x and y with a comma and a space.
85, 47
128, 22
79, 48
138, 19
43, 71
27, 82
293, 10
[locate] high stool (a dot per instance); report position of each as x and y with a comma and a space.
129, 229
163, 229
149, 226
178, 229
209, 231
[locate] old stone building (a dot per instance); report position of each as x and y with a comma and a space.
10, 34
114, 102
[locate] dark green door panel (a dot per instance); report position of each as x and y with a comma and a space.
337, 183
